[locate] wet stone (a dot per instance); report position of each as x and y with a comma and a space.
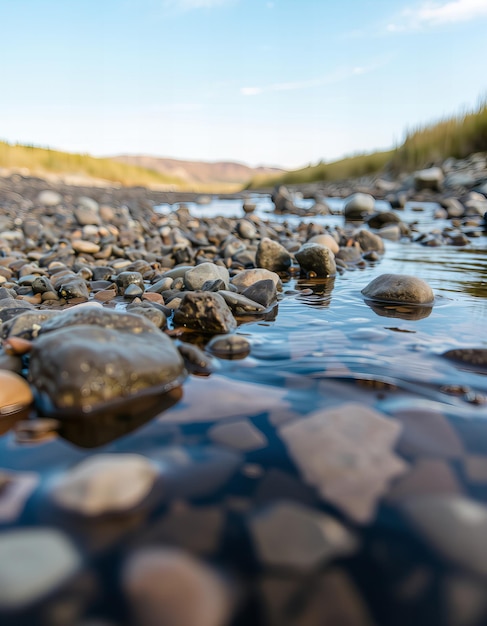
168, 587
399, 288
241, 435
133, 291
195, 277
358, 205
273, 256
105, 483
229, 346
263, 291
150, 311
317, 260
455, 526
73, 287
292, 536
110, 366
328, 449
33, 563
246, 278
125, 279
370, 242
240, 304
206, 312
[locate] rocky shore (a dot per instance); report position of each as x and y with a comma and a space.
106, 307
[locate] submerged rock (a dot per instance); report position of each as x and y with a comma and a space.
399, 288
105, 483
84, 369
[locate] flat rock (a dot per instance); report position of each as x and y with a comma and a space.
292, 536
169, 587
105, 483
399, 288
196, 277
87, 368
328, 448
240, 304
246, 278
455, 526
33, 563
205, 311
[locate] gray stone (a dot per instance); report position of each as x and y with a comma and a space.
240, 304
359, 205
49, 198
124, 279
378, 220
454, 526
105, 483
292, 536
205, 311
263, 291
399, 288
369, 241
85, 368
33, 563
325, 240
246, 229
73, 287
272, 256
316, 259
431, 178
246, 278
195, 277
229, 346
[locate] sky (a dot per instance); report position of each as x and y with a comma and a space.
275, 82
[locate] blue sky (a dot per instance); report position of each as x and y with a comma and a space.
284, 82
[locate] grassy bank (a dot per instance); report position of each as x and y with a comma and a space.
41, 161
456, 136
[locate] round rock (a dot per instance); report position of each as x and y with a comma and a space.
317, 259
272, 256
399, 288
359, 205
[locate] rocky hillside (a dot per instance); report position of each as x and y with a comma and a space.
199, 171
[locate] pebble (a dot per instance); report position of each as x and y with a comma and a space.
105, 483
272, 256
195, 277
205, 311
316, 259
246, 278
15, 393
229, 346
358, 205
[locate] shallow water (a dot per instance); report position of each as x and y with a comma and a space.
322, 346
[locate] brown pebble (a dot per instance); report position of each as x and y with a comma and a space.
105, 295
16, 346
15, 393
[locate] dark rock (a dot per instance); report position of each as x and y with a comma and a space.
84, 369
272, 256
205, 311
378, 220
263, 291
316, 259
124, 279
229, 346
369, 241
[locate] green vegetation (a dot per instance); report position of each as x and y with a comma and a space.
45, 161
456, 136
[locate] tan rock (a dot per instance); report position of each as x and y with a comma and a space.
15, 393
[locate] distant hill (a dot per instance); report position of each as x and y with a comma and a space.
220, 172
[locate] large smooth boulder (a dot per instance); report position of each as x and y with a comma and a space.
85, 368
399, 288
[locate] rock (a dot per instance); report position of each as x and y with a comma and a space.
196, 361
86, 217
205, 311
26, 325
358, 205
383, 218
15, 393
73, 287
110, 367
283, 201
97, 316
49, 198
85, 247
327, 447
325, 240
105, 483
473, 358
133, 291
248, 207
431, 178
392, 232
229, 346
124, 279
317, 260
246, 229
146, 309
263, 291
239, 304
350, 254
88, 203
246, 278
272, 256
292, 536
33, 563
168, 587
195, 277
453, 207
369, 241
399, 288
454, 526
240, 434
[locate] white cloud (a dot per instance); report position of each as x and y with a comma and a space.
337, 76
431, 14
189, 5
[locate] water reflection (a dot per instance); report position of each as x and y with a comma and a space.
402, 311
